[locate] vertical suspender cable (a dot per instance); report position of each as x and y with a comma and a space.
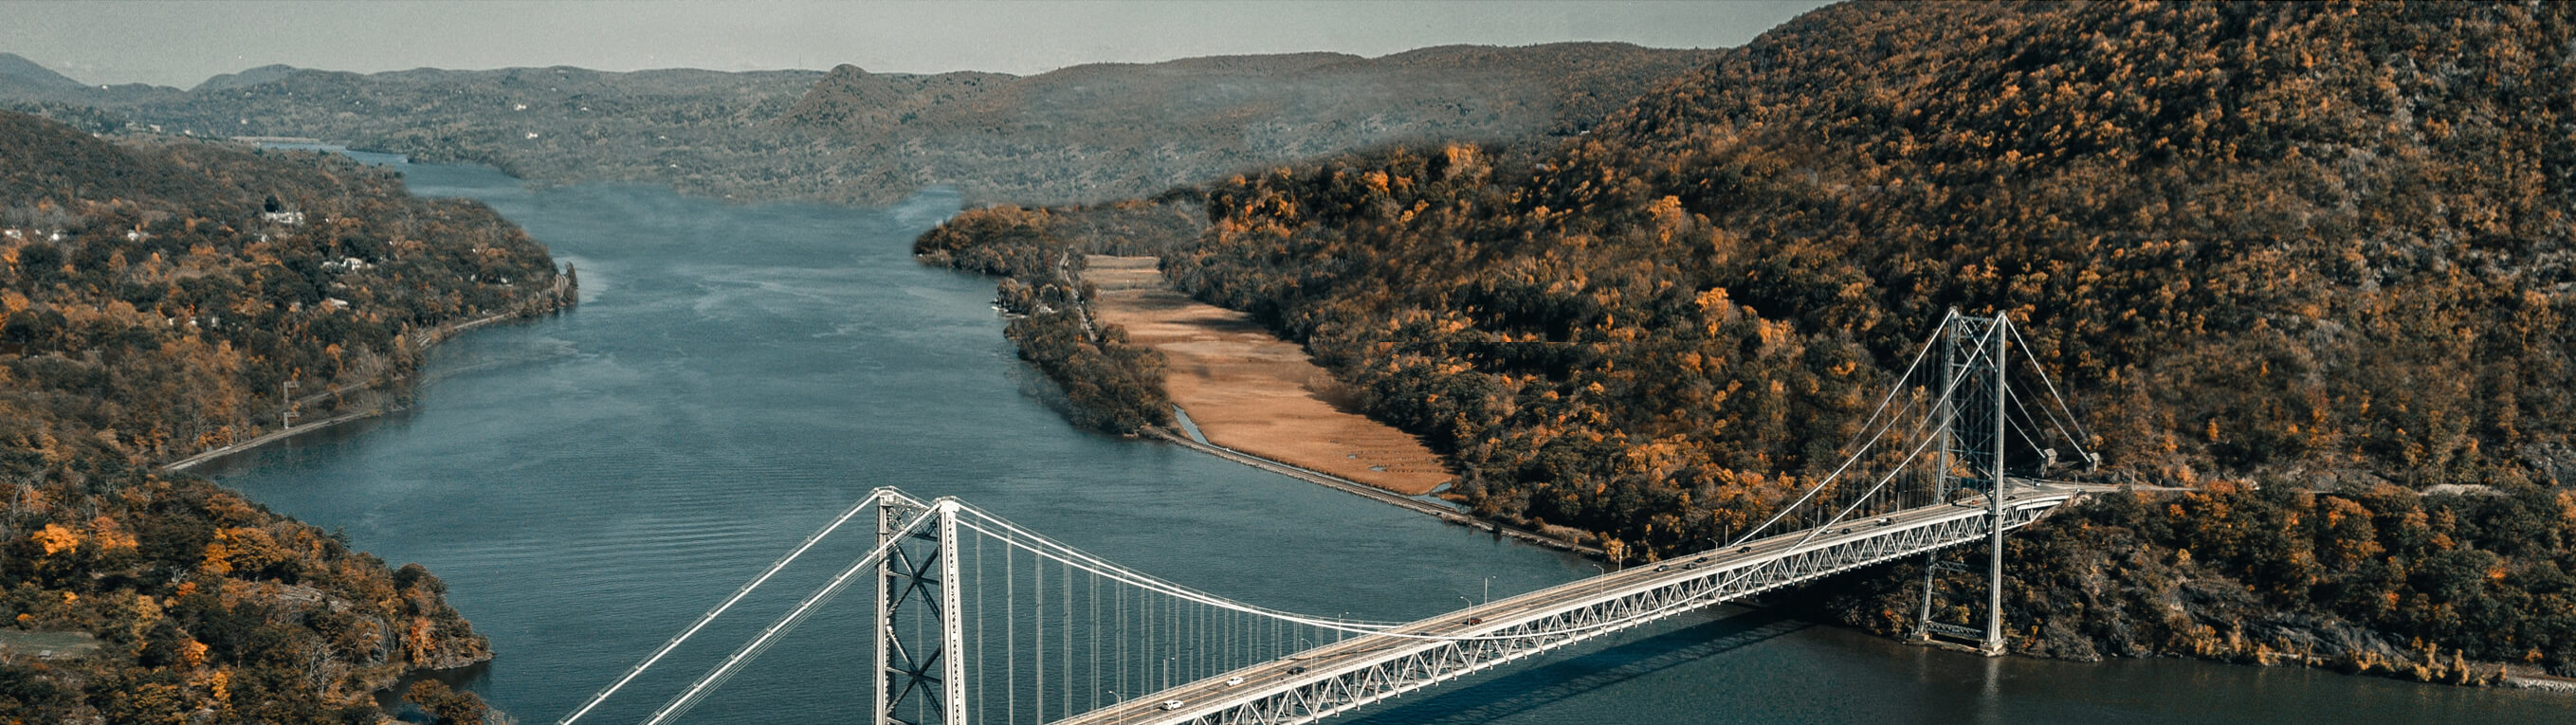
1095, 640
1036, 646
1066, 699
979, 628
1010, 635
1120, 594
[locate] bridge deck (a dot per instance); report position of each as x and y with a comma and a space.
1344, 675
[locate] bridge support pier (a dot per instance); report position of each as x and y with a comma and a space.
921, 675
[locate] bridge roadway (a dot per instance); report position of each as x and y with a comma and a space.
1337, 677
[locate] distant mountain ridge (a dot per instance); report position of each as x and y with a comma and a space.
1323, 100
251, 77
18, 74
1086, 132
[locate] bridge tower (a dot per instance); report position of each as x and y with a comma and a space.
921, 669
1972, 457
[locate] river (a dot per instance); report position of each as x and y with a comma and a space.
588, 483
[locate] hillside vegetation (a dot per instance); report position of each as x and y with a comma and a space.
2314, 259
155, 308
1110, 383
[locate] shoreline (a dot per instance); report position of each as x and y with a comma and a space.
1251, 387
1374, 493
424, 339
267, 438
1250, 391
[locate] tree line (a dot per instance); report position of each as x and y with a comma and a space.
1110, 384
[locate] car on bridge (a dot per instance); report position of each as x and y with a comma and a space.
1173, 704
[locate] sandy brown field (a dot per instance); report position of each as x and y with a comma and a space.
1252, 392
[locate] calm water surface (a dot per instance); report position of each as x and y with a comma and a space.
735, 376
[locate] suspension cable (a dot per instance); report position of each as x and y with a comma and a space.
1837, 473
2052, 393
1214, 626
699, 690
674, 642
1068, 554
1014, 535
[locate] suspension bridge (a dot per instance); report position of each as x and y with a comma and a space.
979, 620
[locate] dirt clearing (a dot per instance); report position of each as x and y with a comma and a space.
1252, 392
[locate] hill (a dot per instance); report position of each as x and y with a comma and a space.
156, 296
264, 74
2314, 260
1105, 131
20, 76
1083, 133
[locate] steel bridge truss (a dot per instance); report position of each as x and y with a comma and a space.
922, 672
1409, 664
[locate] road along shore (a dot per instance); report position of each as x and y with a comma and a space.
423, 339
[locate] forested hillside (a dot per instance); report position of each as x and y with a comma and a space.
159, 297
2313, 258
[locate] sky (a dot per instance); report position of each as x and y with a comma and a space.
182, 43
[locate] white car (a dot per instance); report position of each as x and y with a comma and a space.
1172, 704
1235, 680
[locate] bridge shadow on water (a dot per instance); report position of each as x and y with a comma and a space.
1535, 687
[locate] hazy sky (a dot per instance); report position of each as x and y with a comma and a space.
181, 43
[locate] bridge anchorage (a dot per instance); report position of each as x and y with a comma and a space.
978, 619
